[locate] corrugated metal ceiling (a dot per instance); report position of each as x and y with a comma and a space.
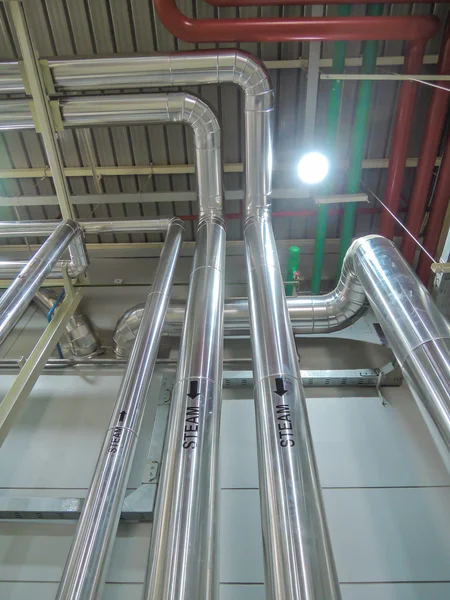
105, 27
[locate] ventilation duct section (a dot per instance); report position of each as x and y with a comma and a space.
82, 339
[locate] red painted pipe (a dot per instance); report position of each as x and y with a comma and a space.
233, 3
438, 211
400, 137
301, 29
428, 152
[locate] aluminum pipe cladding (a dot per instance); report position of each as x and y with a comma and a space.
416, 330
20, 293
182, 561
299, 562
87, 563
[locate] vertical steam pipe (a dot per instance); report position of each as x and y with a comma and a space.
299, 562
182, 558
88, 560
20, 293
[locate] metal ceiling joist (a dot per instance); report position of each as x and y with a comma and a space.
42, 109
325, 63
150, 170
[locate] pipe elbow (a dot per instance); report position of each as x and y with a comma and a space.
126, 331
203, 121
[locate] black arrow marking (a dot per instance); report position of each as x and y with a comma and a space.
280, 391
122, 416
193, 390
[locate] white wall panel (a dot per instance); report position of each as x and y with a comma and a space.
358, 443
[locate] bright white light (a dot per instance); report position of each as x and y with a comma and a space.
312, 167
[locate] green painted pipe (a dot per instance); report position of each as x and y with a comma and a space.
359, 139
334, 107
294, 255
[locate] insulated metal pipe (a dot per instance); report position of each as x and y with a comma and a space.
15, 300
88, 560
416, 330
292, 29
308, 314
297, 550
182, 560
36, 228
428, 152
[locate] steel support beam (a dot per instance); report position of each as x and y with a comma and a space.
189, 169
24, 383
41, 107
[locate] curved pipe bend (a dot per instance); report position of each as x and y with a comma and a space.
309, 314
293, 29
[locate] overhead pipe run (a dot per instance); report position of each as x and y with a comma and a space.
416, 330
78, 264
293, 29
87, 564
439, 207
18, 296
308, 314
428, 152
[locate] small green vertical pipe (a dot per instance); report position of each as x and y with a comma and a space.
294, 255
359, 138
334, 107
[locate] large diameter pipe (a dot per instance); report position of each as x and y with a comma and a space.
293, 29
182, 560
87, 564
400, 138
308, 314
428, 152
36, 228
416, 330
439, 207
298, 558
15, 300
307, 2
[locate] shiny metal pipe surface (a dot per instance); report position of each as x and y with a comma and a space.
88, 560
416, 330
308, 314
298, 557
19, 294
175, 108
36, 228
81, 336
11, 268
183, 549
